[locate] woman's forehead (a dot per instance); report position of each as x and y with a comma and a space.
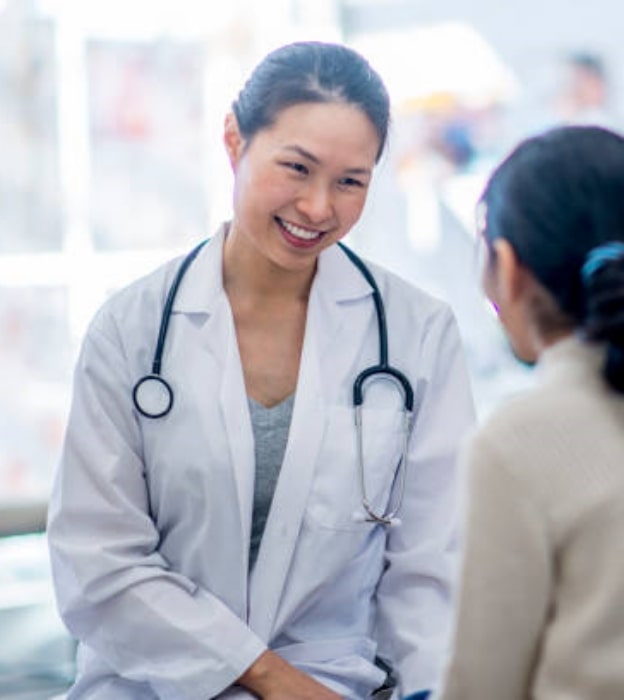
325, 129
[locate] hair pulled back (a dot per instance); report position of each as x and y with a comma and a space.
558, 199
309, 72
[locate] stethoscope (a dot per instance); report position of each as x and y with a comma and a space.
153, 396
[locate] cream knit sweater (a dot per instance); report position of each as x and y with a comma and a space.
541, 596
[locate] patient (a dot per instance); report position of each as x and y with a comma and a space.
541, 595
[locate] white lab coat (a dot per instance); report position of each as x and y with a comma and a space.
149, 520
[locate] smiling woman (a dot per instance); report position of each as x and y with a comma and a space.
306, 176
314, 597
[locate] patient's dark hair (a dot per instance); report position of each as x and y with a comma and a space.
558, 199
311, 71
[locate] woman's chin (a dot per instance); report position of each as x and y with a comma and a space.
526, 356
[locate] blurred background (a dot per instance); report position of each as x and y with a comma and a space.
111, 162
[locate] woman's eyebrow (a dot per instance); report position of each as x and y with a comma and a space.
303, 153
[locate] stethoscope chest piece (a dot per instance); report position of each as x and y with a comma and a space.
152, 395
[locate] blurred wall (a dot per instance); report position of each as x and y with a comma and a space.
530, 36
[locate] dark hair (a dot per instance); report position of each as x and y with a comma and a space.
311, 71
590, 62
556, 198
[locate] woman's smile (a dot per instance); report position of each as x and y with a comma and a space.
298, 235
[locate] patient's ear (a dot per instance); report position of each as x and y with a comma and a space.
511, 276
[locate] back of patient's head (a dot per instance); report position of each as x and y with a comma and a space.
558, 199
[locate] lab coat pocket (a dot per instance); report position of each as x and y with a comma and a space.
336, 496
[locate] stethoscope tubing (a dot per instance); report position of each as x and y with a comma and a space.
382, 367
156, 384
168, 307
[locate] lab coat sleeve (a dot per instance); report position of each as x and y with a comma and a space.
414, 594
505, 585
115, 591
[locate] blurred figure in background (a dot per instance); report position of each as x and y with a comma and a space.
585, 95
540, 610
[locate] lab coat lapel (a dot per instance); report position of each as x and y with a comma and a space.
233, 401
202, 294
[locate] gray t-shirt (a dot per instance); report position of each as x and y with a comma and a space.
270, 429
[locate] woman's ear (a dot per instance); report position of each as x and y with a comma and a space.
234, 142
511, 277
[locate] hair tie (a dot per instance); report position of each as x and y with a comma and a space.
599, 256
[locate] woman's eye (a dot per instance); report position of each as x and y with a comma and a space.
296, 167
351, 182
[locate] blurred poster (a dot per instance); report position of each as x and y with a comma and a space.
35, 367
146, 112
30, 212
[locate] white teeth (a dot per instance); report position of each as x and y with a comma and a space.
303, 233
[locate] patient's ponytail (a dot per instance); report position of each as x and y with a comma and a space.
603, 281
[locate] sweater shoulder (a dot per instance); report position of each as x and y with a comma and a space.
564, 443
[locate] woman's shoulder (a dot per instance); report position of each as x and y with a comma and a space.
536, 415
405, 297
142, 298
570, 396
557, 439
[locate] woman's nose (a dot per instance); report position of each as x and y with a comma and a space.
316, 203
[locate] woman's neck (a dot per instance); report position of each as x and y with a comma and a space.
247, 273
547, 340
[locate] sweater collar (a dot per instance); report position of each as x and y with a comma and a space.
569, 359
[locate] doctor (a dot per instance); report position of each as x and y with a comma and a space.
223, 548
